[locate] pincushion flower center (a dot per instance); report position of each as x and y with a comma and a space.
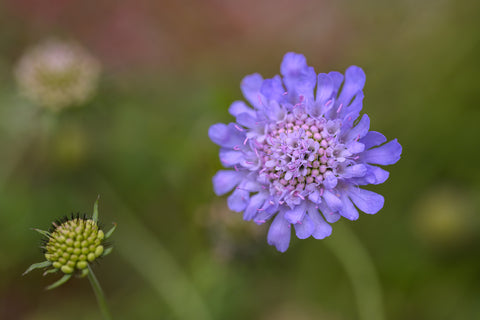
298, 153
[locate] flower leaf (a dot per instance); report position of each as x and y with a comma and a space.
107, 251
38, 265
50, 271
109, 233
42, 232
64, 279
95, 210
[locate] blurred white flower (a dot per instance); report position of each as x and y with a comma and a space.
57, 74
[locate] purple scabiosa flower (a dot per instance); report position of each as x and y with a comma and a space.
301, 155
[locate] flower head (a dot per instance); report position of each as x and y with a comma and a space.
71, 245
74, 243
57, 74
300, 155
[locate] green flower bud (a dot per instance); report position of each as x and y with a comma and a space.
66, 269
98, 251
73, 244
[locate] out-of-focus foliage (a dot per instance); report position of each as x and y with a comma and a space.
171, 69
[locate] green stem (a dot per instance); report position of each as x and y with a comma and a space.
102, 303
155, 263
360, 269
41, 125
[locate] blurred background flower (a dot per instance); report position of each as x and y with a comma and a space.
57, 74
170, 70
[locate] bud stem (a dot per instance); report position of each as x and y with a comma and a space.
102, 303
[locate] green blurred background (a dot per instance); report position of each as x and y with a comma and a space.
170, 70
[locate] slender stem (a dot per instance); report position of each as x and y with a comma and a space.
18, 147
155, 263
102, 303
41, 125
360, 269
